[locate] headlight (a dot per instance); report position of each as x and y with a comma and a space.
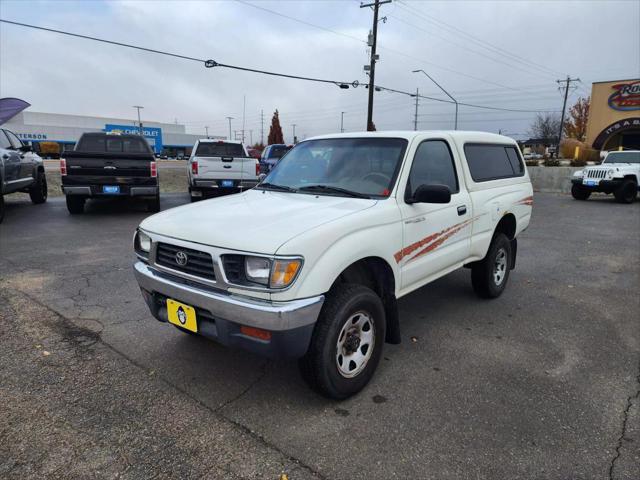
144, 242
257, 269
610, 173
579, 173
261, 271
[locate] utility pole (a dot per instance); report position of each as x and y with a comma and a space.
262, 127
251, 137
372, 66
341, 122
294, 133
244, 108
567, 83
446, 93
206, 129
138, 107
229, 118
415, 117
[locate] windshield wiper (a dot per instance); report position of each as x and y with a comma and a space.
273, 186
330, 189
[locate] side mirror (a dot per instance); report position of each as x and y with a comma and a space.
431, 194
26, 148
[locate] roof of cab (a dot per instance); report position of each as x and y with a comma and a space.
458, 135
218, 140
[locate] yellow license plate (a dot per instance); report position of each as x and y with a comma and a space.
182, 315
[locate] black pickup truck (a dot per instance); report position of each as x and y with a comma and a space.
108, 165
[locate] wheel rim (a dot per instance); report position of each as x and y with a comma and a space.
500, 267
355, 344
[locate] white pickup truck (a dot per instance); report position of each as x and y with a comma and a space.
618, 174
220, 166
311, 262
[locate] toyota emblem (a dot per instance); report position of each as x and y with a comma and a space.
181, 258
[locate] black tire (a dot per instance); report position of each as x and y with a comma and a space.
38, 191
1, 207
486, 280
75, 204
579, 192
154, 204
319, 366
627, 192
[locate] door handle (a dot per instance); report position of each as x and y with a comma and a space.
462, 209
227, 166
5, 156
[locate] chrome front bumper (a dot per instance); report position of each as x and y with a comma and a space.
267, 315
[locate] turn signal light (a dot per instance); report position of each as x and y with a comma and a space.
257, 168
194, 168
284, 272
256, 333
63, 166
154, 169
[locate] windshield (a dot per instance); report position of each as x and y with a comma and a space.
220, 149
623, 157
366, 166
278, 151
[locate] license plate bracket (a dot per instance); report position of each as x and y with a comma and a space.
226, 183
182, 315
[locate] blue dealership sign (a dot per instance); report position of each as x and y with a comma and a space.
153, 135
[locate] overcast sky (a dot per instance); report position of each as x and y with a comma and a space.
504, 54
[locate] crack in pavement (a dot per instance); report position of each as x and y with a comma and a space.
214, 411
625, 417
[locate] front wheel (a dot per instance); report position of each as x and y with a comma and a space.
489, 276
579, 192
75, 204
347, 342
38, 191
627, 192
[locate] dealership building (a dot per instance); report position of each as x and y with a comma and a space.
614, 115
164, 138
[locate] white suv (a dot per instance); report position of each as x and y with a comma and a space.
618, 174
220, 166
347, 225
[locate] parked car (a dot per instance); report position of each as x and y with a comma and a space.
271, 155
619, 174
349, 223
109, 165
21, 170
254, 153
220, 166
352, 223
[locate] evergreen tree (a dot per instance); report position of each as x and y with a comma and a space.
275, 131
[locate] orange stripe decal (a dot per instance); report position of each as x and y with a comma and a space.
421, 243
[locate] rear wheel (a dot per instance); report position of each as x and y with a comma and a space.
38, 191
489, 276
75, 204
347, 342
627, 192
579, 192
154, 204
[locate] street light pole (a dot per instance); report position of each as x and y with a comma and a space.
229, 118
138, 107
415, 117
294, 132
341, 122
447, 93
206, 129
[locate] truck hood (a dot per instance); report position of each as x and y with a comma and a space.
254, 221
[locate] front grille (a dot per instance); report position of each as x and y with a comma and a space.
199, 264
596, 173
234, 268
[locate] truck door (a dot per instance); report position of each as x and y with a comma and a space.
26, 161
436, 236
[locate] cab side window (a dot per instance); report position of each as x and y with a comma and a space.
4, 141
432, 165
15, 141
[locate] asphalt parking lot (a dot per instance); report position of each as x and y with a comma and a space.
542, 383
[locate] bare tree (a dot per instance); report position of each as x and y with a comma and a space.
546, 126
